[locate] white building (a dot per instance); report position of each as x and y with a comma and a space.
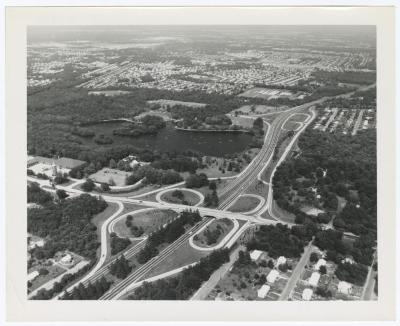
33, 275
307, 294
272, 276
344, 287
314, 279
320, 262
36, 243
281, 261
255, 255
263, 291
67, 259
348, 260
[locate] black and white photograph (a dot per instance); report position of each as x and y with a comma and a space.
204, 162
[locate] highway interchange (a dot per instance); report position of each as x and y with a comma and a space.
236, 188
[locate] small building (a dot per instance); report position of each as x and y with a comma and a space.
281, 261
32, 276
347, 260
67, 259
307, 294
272, 276
344, 287
263, 291
320, 262
314, 279
36, 243
255, 255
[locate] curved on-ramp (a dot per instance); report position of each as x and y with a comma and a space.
252, 211
221, 243
198, 193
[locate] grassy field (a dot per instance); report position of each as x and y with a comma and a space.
282, 214
189, 198
130, 208
149, 221
299, 117
221, 227
291, 125
244, 204
184, 255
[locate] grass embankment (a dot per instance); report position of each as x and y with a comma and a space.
213, 233
148, 222
183, 197
244, 204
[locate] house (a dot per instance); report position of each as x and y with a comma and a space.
272, 276
344, 287
307, 294
67, 259
347, 260
255, 255
32, 276
320, 262
314, 279
281, 261
263, 291
36, 243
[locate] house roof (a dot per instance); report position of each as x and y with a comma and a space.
307, 294
263, 291
314, 278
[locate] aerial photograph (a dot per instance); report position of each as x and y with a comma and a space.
218, 163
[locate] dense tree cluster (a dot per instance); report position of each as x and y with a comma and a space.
352, 273
337, 249
61, 178
67, 278
66, 225
167, 234
88, 185
334, 165
211, 200
279, 240
196, 180
152, 175
57, 114
38, 195
118, 244
186, 283
120, 268
179, 164
244, 259
102, 139
349, 77
286, 136
148, 125
136, 231
90, 292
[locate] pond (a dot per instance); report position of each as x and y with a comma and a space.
171, 139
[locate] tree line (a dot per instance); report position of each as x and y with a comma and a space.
167, 234
186, 283
66, 225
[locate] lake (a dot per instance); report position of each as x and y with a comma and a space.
170, 139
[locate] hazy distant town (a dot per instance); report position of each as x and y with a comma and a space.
202, 163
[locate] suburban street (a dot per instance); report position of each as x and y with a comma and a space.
229, 195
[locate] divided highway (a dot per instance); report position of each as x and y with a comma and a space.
121, 288
237, 187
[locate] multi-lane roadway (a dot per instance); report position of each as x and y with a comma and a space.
229, 195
